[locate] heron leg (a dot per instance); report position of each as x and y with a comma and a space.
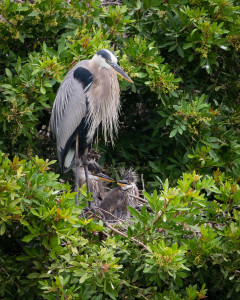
77, 161
85, 165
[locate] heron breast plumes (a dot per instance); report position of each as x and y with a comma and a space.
104, 104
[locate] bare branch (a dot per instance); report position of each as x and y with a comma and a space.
131, 238
143, 185
139, 198
108, 3
111, 215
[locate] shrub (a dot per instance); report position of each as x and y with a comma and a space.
184, 245
179, 129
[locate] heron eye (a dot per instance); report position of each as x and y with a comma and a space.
93, 172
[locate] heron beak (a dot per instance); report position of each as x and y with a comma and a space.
121, 72
122, 182
104, 177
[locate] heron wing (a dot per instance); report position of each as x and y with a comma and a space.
69, 109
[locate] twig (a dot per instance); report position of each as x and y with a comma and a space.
141, 194
5, 271
10, 277
143, 186
142, 295
4, 17
111, 215
105, 233
111, 3
73, 62
131, 238
139, 198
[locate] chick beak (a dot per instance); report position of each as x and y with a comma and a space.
122, 182
104, 177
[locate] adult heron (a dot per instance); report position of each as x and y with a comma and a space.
89, 96
119, 198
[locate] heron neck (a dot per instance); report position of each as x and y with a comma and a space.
104, 101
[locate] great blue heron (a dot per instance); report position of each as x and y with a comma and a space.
96, 181
119, 198
89, 96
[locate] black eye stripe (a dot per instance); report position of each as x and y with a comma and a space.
104, 54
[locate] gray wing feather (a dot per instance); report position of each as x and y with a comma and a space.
69, 108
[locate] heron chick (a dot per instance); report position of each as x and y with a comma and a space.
119, 198
97, 181
89, 96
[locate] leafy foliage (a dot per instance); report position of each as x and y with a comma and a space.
179, 128
56, 253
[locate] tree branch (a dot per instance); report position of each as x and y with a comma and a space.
131, 238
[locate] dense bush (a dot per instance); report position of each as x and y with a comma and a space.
179, 128
185, 248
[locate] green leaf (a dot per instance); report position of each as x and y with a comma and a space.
66, 280
173, 132
7, 86
34, 212
33, 14
2, 229
28, 238
8, 73
43, 90
180, 51
188, 45
138, 4
164, 217
33, 275
21, 39
47, 84
35, 72
83, 278
173, 47
236, 195
18, 66
134, 212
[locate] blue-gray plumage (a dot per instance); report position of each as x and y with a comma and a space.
88, 97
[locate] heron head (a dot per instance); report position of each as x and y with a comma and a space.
107, 59
128, 175
129, 179
95, 172
126, 184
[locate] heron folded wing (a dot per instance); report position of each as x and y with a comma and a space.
74, 110
70, 108
84, 76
